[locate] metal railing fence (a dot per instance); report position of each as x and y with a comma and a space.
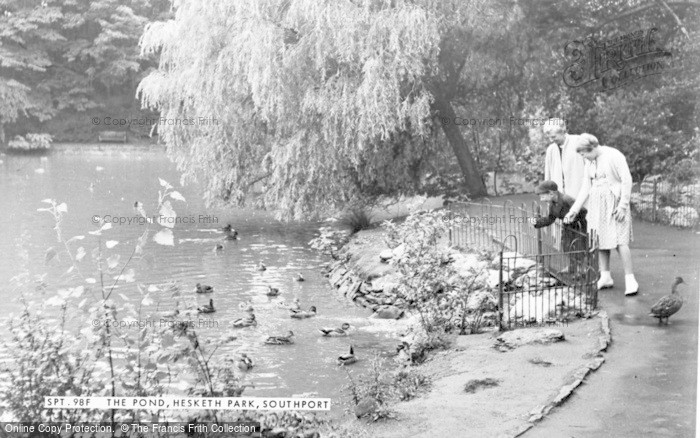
545, 275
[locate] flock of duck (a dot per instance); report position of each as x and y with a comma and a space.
245, 363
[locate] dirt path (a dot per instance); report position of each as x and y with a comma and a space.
529, 377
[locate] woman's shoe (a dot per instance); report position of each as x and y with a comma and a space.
605, 281
631, 285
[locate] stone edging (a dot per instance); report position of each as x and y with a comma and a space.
578, 376
369, 293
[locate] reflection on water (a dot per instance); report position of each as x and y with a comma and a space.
108, 184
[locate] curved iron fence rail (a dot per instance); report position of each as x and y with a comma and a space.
541, 281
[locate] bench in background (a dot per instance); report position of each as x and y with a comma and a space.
112, 136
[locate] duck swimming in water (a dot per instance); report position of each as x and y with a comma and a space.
244, 363
203, 289
301, 314
299, 277
272, 291
262, 267
403, 353
207, 308
669, 304
347, 359
294, 307
231, 234
281, 340
248, 321
342, 331
246, 306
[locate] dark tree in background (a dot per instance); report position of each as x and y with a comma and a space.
64, 62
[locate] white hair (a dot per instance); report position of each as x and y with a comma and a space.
589, 142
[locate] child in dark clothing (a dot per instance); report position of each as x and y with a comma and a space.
559, 206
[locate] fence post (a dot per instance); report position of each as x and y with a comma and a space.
450, 216
653, 203
500, 293
593, 279
525, 229
539, 233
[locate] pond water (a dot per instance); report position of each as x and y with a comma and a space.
107, 182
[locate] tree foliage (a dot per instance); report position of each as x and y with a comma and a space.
27, 36
318, 102
61, 58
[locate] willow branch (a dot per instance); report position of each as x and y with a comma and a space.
675, 17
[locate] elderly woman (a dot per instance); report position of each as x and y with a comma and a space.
607, 185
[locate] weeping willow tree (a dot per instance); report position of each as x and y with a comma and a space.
318, 103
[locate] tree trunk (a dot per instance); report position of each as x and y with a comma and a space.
475, 185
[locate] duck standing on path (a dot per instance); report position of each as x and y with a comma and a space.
245, 363
347, 359
207, 308
203, 289
342, 331
272, 291
301, 314
669, 304
281, 340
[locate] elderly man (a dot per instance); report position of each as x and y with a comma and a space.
563, 164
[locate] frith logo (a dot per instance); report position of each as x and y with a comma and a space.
615, 62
